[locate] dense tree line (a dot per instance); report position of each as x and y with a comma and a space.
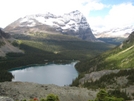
5, 76
102, 95
119, 94
76, 81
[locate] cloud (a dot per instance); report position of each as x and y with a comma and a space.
90, 5
14, 9
119, 16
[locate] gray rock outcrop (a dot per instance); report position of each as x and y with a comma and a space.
93, 76
5, 44
2, 98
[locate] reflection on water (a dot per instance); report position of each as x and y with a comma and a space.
59, 74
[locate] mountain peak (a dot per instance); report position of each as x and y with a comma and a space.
73, 23
76, 12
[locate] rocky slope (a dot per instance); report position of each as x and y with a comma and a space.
110, 79
93, 76
25, 90
5, 45
4, 35
73, 23
110, 70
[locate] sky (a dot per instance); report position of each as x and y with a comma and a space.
101, 14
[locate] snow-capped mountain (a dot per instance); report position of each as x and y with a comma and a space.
122, 32
73, 23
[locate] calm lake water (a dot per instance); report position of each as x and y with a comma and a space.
59, 74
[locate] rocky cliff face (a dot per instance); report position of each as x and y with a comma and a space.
130, 38
5, 45
4, 35
73, 23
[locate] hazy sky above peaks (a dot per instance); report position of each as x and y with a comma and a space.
101, 14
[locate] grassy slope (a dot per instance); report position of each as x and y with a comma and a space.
120, 57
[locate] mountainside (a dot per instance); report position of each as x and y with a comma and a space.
73, 23
120, 57
112, 70
5, 45
115, 41
4, 35
120, 82
114, 36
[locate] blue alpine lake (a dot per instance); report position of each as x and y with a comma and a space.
59, 74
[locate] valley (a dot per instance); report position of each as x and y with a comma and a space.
41, 50
104, 63
114, 41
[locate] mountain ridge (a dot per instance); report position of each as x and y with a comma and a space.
120, 32
73, 23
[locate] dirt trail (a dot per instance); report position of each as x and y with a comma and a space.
125, 50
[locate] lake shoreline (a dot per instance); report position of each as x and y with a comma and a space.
59, 74
47, 63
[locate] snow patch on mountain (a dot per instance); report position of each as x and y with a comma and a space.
123, 32
71, 21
